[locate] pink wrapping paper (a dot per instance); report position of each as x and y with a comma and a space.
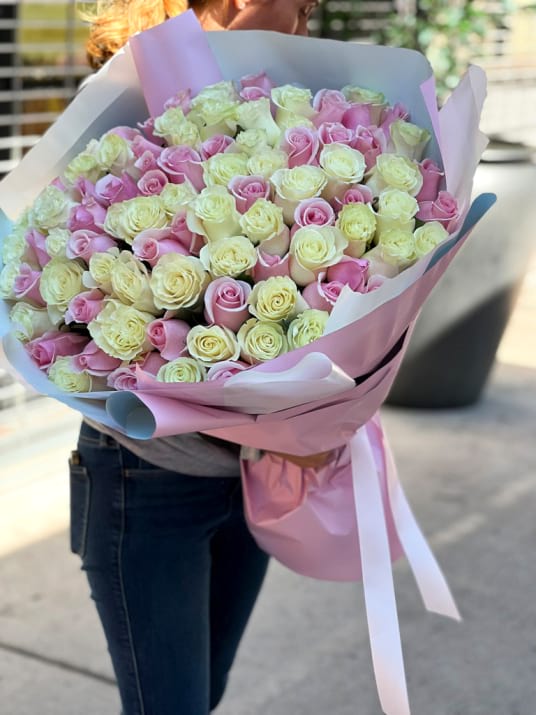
307, 516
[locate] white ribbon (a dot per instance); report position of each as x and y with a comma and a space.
430, 580
378, 586
380, 602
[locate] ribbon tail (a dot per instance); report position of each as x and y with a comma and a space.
378, 586
430, 580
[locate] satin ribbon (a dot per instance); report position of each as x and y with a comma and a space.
378, 586
430, 580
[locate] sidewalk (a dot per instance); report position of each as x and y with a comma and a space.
470, 475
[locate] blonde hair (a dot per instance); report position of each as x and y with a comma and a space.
112, 22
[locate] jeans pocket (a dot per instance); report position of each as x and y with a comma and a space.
80, 487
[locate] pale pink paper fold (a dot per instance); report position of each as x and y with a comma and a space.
164, 57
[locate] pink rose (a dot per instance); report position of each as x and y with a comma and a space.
93, 207
217, 144
94, 361
432, 175
247, 189
182, 100
330, 132
359, 194
192, 242
251, 94
85, 188
330, 105
260, 80
371, 142
168, 337
80, 218
444, 209
313, 212
123, 378
390, 115
84, 307
151, 244
226, 303
27, 284
301, 144
83, 244
54, 344
141, 146
112, 189
270, 265
357, 115
182, 163
88, 216
147, 128
322, 296
152, 362
152, 183
225, 369
36, 251
146, 162
127, 133
351, 272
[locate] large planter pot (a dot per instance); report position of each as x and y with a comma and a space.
456, 336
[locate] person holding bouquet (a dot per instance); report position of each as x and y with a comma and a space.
159, 524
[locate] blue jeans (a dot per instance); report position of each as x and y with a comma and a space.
173, 571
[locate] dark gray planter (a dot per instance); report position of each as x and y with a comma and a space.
455, 340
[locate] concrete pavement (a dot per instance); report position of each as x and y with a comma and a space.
470, 475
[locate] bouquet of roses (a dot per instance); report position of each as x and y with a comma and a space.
248, 262
220, 234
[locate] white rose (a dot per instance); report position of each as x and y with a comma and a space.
29, 322
64, 377
182, 369
313, 248
61, 281
126, 219
295, 185
14, 247
120, 330
101, 266
211, 344
7, 280
429, 236
257, 114
221, 168
114, 154
131, 284
306, 328
213, 214
230, 256
261, 340
276, 299
51, 208
178, 281
56, 242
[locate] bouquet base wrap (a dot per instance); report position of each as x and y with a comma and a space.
349, 520
345, 522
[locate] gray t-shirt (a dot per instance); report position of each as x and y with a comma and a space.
194, 454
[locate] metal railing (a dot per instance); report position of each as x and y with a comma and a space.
42, 61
